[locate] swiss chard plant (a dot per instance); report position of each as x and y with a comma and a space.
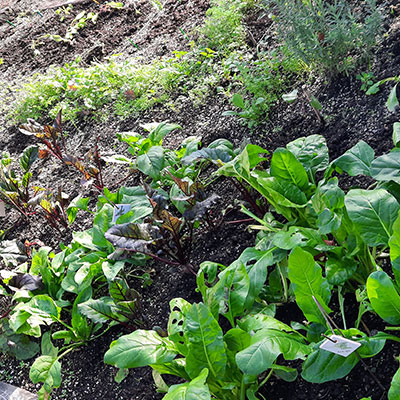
236, 361
15, 190
53, 143
160, 163
346, 232
152, 230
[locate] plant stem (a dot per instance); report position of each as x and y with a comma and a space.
243, 390
264, 381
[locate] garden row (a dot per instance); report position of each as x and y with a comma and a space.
314, 240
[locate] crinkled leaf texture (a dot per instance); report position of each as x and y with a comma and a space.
265, 347
373, 213
306, 281
205, 344
197, 389
130, 236
139, 349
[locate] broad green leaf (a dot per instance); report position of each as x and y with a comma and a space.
241, 165
383, 296
78, 203
237, 286
392, 101
47, 347
396, 134
285, 166
373, 213
312, 152
179, 308
160, 131
394, 244
282, 193
237, 339
28, 157
291, 96
80, 325
357, 160
256, 322
288, 374
205, 342
394, 391
139, 349
339, 270
111, 269
197, 389
237, 101
306, 281
265, 347
387, 167
46, 369
101, 310
152, 162
101, 223
323, 366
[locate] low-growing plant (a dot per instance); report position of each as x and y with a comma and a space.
50, 136
235, 362
367, 79
333, 225
392, 101
15, 190
163, 165
223, 29
261, 83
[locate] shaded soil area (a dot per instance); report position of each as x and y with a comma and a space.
348, 115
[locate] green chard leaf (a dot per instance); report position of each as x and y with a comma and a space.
139, 349
205, 343
384, 297
197, 389
373, 213
285, 166
357, 160
306, 281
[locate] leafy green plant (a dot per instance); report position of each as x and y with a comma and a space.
234, 363
392, 101
330, 37
319, 216
367, 80
223, 29
261, 84
49, 137
213, 363
67, 288
164, 165
14, 190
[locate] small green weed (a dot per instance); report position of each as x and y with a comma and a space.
261, 83
367, 80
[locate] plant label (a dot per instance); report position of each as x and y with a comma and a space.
2, 209
340, 345
120, 209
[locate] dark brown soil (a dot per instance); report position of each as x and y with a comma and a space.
348, 116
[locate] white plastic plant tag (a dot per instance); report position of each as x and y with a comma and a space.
340, 345
2, 209
120, 209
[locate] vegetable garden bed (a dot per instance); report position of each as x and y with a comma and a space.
261, 194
